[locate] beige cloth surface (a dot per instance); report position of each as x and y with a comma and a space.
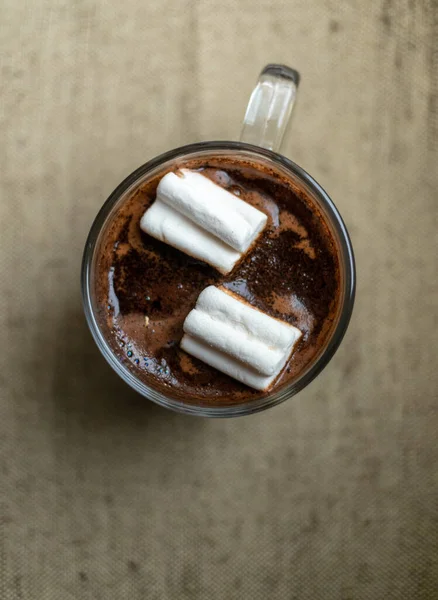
333, 495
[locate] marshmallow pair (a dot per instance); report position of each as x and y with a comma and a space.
237, 339
198, 217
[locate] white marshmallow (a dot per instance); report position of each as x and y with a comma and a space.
200, 218
210, 206
165, 224
225, 364
242, 341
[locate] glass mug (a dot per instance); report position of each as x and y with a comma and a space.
264, 125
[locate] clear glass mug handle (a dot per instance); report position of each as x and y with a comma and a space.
270, 107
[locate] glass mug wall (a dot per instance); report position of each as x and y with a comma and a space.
264, 125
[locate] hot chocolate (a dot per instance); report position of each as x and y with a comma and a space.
145, 288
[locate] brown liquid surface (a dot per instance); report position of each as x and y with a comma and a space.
145, 288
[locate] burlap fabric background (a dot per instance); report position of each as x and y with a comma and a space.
333, 495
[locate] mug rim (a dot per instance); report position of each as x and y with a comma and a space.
249, 407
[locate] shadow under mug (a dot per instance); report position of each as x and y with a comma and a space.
264, 125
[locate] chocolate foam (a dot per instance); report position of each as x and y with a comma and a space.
145, 288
